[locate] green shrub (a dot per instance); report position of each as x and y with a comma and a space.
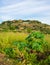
9, 52
36, 41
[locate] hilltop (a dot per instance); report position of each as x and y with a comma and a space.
24, 26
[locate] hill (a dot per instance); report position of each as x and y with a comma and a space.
24, 26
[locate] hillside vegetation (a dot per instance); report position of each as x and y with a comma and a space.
24, 49
24, 26
24, 42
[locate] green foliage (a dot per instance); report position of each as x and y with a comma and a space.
26, 52
10, 52
29, 25
29, 30
36, 41
21, 45
12, 27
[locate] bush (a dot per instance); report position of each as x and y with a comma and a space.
10, 52
36, 41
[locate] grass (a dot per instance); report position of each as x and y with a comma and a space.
11, 36
6, 38
47, 37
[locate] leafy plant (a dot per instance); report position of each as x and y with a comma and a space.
9, 52
20, 45
36, 41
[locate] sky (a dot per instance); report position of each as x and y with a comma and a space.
25, 9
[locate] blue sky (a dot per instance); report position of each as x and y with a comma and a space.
25, 9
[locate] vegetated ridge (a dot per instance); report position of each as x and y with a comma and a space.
24, 26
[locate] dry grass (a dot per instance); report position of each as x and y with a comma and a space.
47, 37
8, 37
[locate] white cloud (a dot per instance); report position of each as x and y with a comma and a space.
25, 8
6, 18
22, 6
43, 20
